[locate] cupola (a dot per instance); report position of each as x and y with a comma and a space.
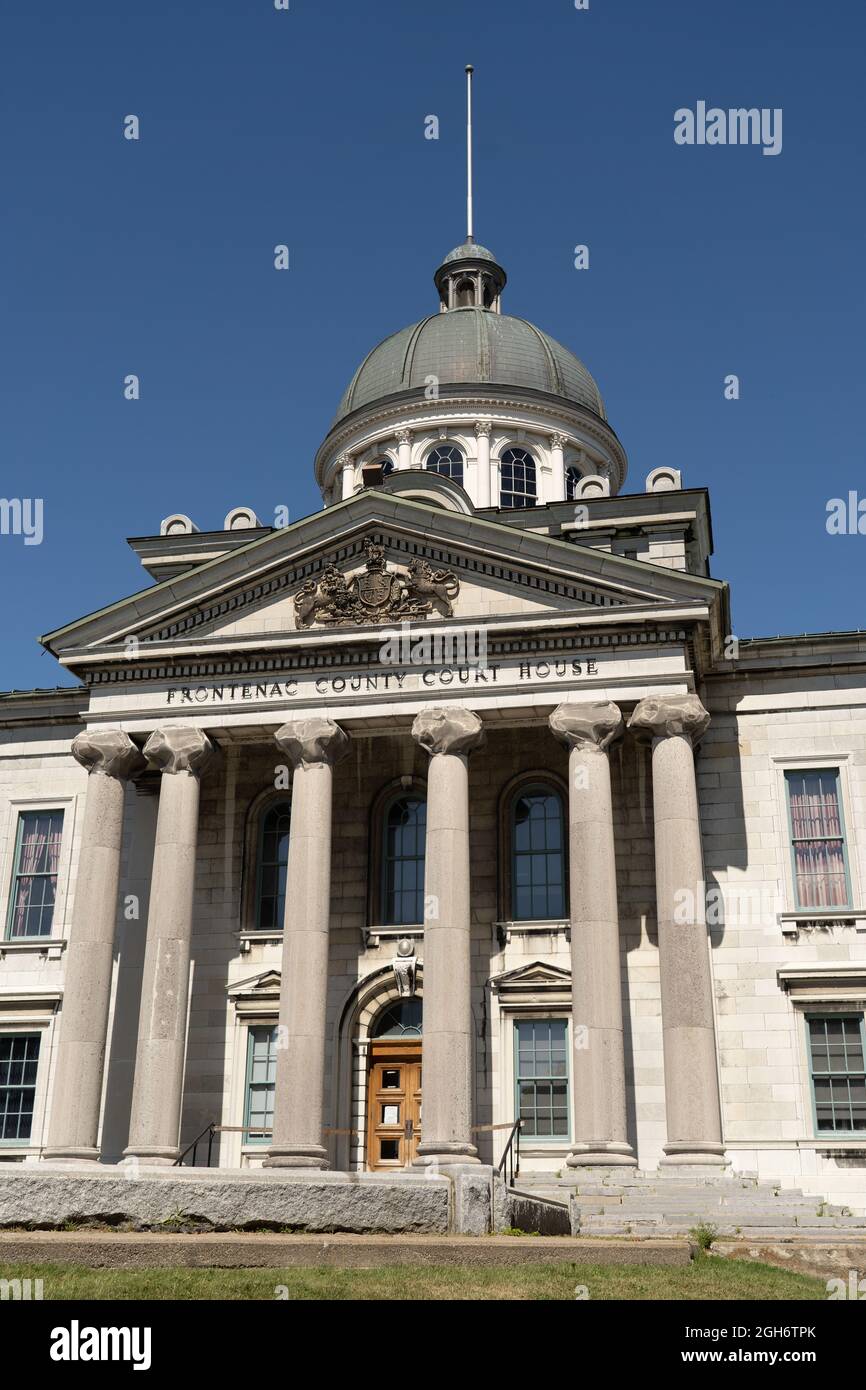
470, 277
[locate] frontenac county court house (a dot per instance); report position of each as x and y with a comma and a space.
275, 864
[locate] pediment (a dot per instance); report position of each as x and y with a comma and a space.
416, 582
374, 561
263, 986
538, 975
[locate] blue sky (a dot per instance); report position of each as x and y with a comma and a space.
306, 127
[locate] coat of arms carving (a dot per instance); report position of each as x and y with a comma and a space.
377, 593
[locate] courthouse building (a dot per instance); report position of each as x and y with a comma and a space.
457, 788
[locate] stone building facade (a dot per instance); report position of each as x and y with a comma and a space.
459, 788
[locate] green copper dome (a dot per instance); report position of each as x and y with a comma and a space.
470, 346
470, 251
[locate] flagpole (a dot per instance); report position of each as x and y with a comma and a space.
469, 72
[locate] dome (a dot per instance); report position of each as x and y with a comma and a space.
470, 251
471, 346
